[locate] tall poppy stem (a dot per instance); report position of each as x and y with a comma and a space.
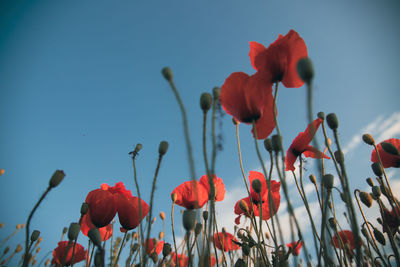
120, 249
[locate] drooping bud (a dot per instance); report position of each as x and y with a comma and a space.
73, 231
35, 235
256, 185
366, 198
205, 101
305, 69
312, 179
328, 181
162, 215
56, 179
167, 73
321, 115
167, 249
198, 228
339, 156
390, 148
205, 215
276, 141
364, 232
268, 144
94, 235
379, 220
332, 121
370, 182
377, 169
189, 219
344, 197
368, 139
162, 148
379, 237
84, 208
376, 192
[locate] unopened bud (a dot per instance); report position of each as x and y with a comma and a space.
379, 220
35, 235
161, 235
377, 169
344, 197
339, 156
328, 142
2, 171
216, 93
18, 248
321, 115
366, 198
65, 229
256, 185
205, 215
38, 250
276, 141
18, 226
305, 69
173, 197
189, 219
332, 223
312, 179
267, 235
268, 144
56, 179
332, 121
328, 181
379, 237
94, 235
390, 148
205, 101
167, 73
384, 190
243, 206
162, 215
368, 139
154, 220
162, 148
376, 192
84, 208
364, 232
240, 263
167, 249
1, 225
370, 182
235, 122
73, 231
246, 249
198, 228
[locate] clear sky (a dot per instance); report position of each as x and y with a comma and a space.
80, 85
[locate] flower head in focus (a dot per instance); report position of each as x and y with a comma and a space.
388, 160
102, 207
279, 60
60, 250
301, 145
223, 241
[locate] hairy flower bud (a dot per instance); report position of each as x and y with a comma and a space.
167, 249
162, 148
332, 121
56, 179
339, 156
35, 235
18, 248
376, 192
205, 101
305, 69
205, 215
189, 219
167, 73
332, 223
240, 263
390, 148
379, 237
243, 206
73, 231
328, 181
246, 249
368, 139
94, 235
65, 229
377, 169
276, 141
84, 208
256, 185
370, 182
173, 197
162, 215
312, 179
366, 198
198, 228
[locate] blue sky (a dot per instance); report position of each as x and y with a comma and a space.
80, 85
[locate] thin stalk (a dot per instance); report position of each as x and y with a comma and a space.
120, 249
173, 231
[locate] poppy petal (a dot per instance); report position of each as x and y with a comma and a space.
257, 56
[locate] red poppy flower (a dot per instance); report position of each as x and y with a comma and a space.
183, 261
223, 241
249, 98
102, 207
154, 246
391, 220
388, 160
86, 225
128, 211
347, 238
219, 186
280, 59
191, 195
295, 247
301, 145
265, 199
58, 253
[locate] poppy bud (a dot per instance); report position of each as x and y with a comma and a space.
344, 197
38, 250
94, 235
276, 141
1, 225
256, 185
73, 231
305, 69
161, 235
243, 206
328, 142
166, 249
189, 219
390, 148
379, 220
240, 263
246, 249
84, 208
18, 248
366, 198
162, 148
384, 190
205, 101
198, 228
332, 223
268, 144
35, 235
2, 171
154, 220
379, 237
328, 181
216, 92
368, 139
167, 73
370, 182
56, 179
339, 156
6, 250
376, 192
205, 215
312, 179
364, 232
377, 169
173, 197
332, 121
99, 257
162, 215
321, 115
235, 122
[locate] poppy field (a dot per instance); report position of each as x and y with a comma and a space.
119, 223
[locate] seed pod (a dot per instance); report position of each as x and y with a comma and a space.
339, 156
379, 237
189, 219
216, 93
167, 249
377, 169
390, 148
276, 141
376, 192
167, 73
321, 115
370, 182
328, 181
73, 231
366, 198
94, 235
205, 215
84, 208
162, 148
205, 101
198, 228
268, 144
368, 139
35, 235
332, 121
305, 69
256, 185
56, 179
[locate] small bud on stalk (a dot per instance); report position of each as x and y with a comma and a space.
339, 156
313, 179
366, 198
198, 228
189, 219
167, 73
256, 185
35, 235
240, 263
321, 115
173, 197
305, 70
246, 249
205, 215
377, 169
73, 231
328, 181
332, 121
276, 141
84, 208
332, 223
370, 182
268, 144
56, 179
368, 139
376, 192
94, 235
163, 147
162, 215
167, 249
205, 101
